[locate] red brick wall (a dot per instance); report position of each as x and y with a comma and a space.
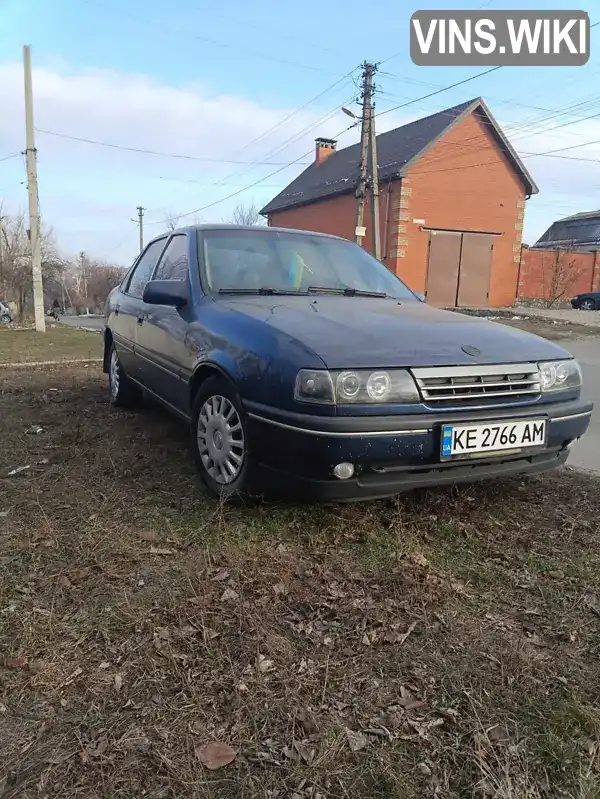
464, 182
575, 272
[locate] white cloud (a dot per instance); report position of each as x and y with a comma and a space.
89, 193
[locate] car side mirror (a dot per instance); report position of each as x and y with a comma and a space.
166, 292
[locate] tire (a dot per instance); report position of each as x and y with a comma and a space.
123, 392
5, 319
220, 440
587, 305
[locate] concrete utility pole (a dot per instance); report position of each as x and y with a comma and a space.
83, 279
374, 173
2, 278
361, 188
32, 188
140, 211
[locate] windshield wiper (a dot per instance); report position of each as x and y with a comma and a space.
264, 290
347, 291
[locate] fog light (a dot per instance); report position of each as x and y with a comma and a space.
343, 471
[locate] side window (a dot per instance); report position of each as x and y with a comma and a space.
174, 263
144, 268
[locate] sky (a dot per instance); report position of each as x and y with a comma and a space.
228, 95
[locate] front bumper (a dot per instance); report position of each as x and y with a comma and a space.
296, 453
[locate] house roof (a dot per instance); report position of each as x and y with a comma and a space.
396, 150
581, 215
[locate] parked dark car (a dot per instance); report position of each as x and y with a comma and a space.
589, 301
5, 314
302, 363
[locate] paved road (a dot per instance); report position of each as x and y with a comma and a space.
91, 322
586, 453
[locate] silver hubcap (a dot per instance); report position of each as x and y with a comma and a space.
587, 305
114, 374
220, 439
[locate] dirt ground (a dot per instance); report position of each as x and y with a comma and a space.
445, 644
555, 328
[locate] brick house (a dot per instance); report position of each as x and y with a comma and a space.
452, 201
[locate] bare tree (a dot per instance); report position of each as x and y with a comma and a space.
15, 267
560, 273
171, 221
247, 215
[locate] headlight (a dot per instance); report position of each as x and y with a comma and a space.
356, 386
560, 375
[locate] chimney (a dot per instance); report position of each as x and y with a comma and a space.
323, 149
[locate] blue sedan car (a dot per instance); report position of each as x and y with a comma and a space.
303, 364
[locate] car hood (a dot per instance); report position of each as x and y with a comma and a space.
364, 332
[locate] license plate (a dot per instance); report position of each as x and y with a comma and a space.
474, 439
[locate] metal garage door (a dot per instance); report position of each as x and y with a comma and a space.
442, 267
475, 268
459, 266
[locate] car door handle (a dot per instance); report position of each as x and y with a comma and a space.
140, 320
116, 310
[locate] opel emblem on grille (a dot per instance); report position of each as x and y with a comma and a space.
470, 350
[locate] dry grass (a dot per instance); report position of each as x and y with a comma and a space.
58, 343
451, 638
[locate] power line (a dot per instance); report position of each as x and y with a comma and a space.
12, 155
251, 185
228, 45
149, 152
439, 91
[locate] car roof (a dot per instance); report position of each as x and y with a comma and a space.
257, 228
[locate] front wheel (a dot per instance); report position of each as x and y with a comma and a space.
5, 319
588, 305
219, 438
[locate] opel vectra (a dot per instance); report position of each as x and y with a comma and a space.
301, 363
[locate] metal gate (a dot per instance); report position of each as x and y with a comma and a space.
459, 266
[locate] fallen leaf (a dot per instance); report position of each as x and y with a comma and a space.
229, 595
4, 514
118, 682
161, 551
215, 755
148, 535
424, 769
221, 576
281, 589
356, 740
64, 581
264, 664
15, 663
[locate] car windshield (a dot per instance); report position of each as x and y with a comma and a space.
259, 261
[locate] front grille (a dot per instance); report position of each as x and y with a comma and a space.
478, 385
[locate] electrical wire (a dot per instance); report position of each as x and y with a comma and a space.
7, 157
439, 91
149, 152
140, 19
251, 185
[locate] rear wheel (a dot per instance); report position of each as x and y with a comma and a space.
588, 305
5, 319
219, 438
123, 392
